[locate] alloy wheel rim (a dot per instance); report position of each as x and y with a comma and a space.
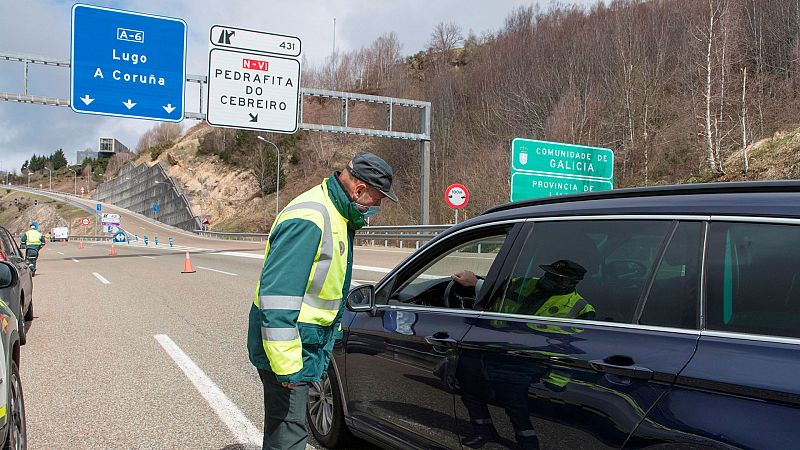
320, 405
17, 418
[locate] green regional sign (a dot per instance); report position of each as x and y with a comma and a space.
525, 186
554, 158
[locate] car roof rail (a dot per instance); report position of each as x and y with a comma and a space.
655, 191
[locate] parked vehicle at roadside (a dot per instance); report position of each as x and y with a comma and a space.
59, 234
19, 296
681, 328
13, 425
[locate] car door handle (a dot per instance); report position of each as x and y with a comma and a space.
441, 340
619, 366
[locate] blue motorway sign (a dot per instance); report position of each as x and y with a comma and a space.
99, 207
155, 207
127, 64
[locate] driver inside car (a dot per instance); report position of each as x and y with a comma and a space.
552, 295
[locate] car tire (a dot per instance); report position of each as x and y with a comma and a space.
17, 437
29, 313
325, 416
22, 328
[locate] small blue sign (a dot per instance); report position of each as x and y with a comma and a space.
155, 207
99, 207
127, 64
120, 237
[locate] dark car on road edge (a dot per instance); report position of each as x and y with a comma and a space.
19, 296
693, 340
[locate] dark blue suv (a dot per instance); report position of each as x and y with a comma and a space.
663, 317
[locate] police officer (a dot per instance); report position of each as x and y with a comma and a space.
32, 239
305, 278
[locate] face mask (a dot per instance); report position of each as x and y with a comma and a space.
371, 211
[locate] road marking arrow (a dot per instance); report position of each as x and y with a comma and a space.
129, 104
253, 117
169, 108
86, 99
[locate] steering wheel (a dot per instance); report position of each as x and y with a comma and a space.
451, 290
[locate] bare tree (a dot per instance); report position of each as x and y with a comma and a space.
743, 118
445, 37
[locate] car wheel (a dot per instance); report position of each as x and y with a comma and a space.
22, 330
29, 314
325, 413
18, 430
21, 326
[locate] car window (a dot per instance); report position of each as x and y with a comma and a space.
674, 295
754, 279
9, 247
594, 270
432, 285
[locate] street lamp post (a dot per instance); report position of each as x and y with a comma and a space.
50, 171
278, 176
76, 179
28, 171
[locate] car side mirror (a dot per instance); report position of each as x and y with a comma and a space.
8, 275
361, 298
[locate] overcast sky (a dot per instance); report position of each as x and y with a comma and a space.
42, 27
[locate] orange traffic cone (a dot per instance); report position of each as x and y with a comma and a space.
113, 251
81, 244
187, 264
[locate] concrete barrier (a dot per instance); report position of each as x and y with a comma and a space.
138, 188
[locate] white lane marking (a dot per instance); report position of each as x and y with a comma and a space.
60, 253
244, 431
75, 260
383, 250
148, 257
242, 255
371, 268
215, 270
100, 277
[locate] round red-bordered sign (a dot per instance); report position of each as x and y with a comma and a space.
456, 196
85, 222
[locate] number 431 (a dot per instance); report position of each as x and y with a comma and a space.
287, 45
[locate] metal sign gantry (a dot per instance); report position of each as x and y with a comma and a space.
346, 98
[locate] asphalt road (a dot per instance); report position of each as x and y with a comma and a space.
127, 352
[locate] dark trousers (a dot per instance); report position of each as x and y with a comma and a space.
284, 414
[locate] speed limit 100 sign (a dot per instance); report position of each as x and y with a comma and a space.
456, 196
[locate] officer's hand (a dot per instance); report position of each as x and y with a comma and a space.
289, 385
465, 278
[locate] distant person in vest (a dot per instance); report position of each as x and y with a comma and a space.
32, 239
294, 319
553, 295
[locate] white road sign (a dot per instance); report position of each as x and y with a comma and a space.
456, 196
257, 41
252, 90
110, 219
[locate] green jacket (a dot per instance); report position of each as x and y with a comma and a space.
295, 318
32, 239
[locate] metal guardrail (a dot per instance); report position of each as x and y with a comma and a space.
402, 236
